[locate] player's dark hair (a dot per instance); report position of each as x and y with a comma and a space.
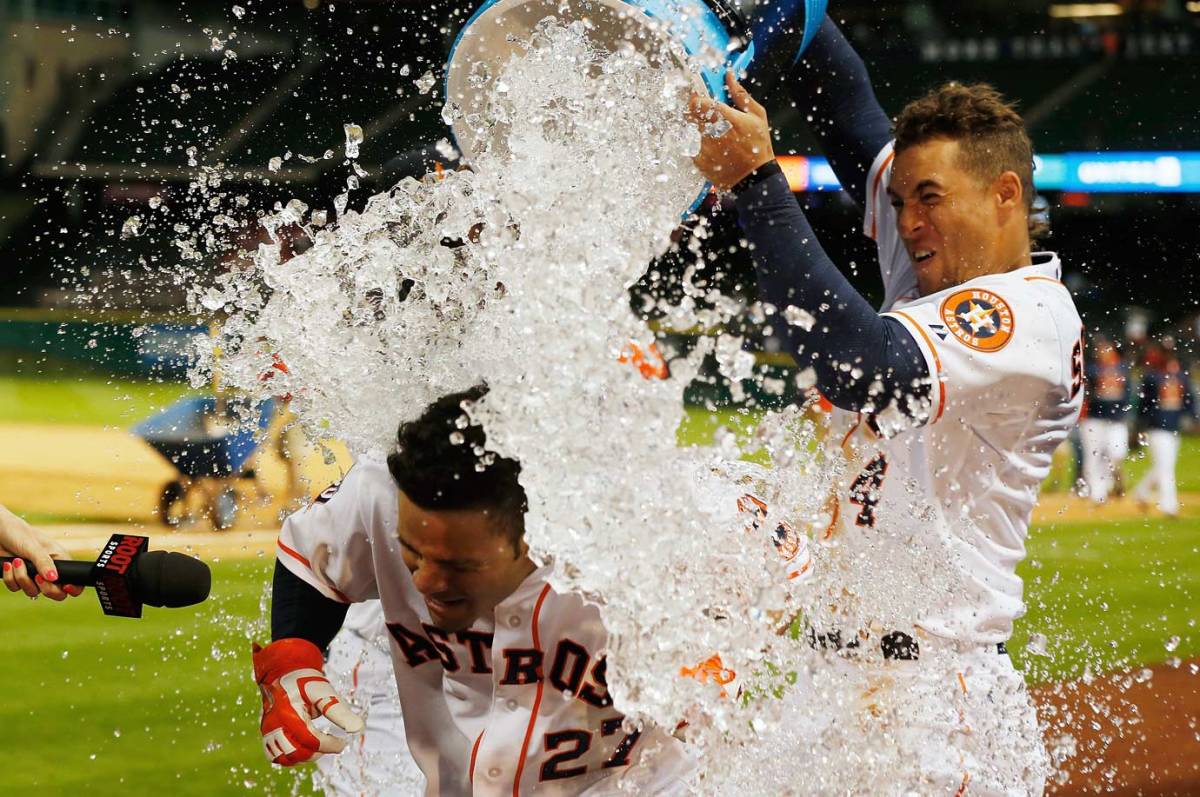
441, 462
990, 133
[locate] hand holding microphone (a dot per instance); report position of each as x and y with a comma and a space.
26, 544
125, 576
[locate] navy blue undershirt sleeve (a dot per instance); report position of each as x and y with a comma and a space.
299, 610
862, 360
831, 86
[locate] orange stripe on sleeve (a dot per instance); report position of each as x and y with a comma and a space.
937, 362
1044, 279
537, 700
294, 554
308, 566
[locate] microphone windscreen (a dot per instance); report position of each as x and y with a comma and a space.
171, 579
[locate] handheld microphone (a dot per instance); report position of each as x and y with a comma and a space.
126, 576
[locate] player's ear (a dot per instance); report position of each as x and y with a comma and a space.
1008, 190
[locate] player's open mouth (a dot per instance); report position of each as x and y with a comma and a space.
445, 604
921, 255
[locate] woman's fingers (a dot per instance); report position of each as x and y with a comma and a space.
22, 578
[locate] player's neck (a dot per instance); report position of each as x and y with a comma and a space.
1015, 254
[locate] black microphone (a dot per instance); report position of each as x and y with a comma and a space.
126, 575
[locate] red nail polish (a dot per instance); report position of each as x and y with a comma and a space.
38, 579
7, 566
52, 575
18, 562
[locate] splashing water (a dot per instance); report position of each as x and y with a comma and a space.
517, 272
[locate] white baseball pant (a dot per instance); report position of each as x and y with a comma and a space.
1164, 452
1105, 445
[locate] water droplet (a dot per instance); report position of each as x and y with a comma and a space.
799, 317
354, 138
446, 149
1037, 645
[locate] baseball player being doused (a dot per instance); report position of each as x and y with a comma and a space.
954, 398
501, 679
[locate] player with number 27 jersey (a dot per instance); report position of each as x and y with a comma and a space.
515, 704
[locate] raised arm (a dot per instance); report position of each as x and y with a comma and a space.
831, 86
862, 360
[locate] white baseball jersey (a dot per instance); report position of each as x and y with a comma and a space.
942, 502
516, 704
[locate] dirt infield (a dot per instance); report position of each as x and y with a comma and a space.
1132, 733
110, 474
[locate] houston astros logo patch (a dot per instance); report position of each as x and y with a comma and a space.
978, 318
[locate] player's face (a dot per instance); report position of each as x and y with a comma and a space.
462, 562
948, 218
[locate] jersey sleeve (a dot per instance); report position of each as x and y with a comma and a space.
879, 224
996, 346
328, 543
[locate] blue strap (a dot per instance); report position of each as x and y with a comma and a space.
779, 21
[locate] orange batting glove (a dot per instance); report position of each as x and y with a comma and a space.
290, 674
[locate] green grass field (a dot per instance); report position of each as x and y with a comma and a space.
161, 705
84, 400
167, 704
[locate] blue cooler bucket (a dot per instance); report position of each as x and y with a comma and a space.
712, 37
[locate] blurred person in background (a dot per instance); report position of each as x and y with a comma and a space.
1166, 402
19, 539
1104, 434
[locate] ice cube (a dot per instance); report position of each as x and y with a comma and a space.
799, 317
425, 82
354, 139
446, 149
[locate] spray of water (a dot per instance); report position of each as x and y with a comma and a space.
517, 272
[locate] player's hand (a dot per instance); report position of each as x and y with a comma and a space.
725, 159
18, 538
290, 675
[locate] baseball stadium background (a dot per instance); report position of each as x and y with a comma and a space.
111, 109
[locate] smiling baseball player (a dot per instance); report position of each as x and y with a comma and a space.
502, 679
955, 397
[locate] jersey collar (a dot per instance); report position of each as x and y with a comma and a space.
1045, 264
